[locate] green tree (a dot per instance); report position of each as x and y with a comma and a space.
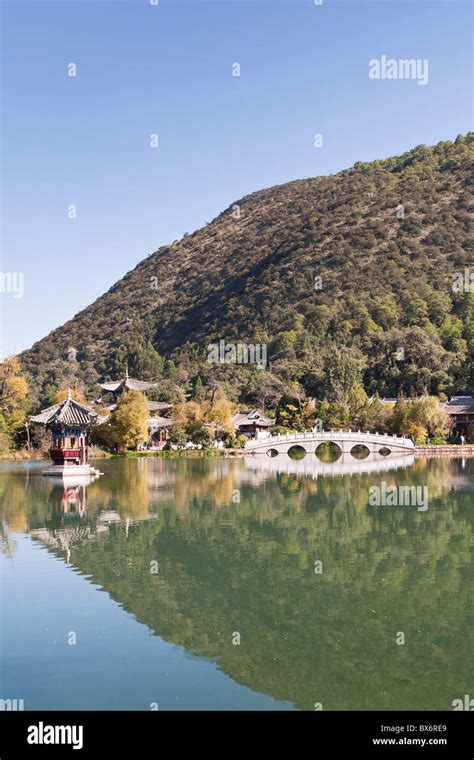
342, 375
429, 414
199, 393
399, 417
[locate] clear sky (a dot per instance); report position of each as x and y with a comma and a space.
166, 69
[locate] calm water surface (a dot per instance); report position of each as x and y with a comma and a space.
158, 567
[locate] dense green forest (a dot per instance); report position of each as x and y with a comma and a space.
356, 279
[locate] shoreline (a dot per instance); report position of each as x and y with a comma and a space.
442, 450
446, 450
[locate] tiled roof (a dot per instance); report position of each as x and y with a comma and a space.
460, 405
159, 422
127, 382
67, 412
393, 400
249, 418
155, 406
456, 405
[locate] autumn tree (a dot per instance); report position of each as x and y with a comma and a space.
77, 392
296, 413
193, 420
428, 413
218, 412
13, 400
129, 420
420, 419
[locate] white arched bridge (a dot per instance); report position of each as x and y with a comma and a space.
377, 444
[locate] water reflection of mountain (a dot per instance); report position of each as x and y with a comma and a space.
248, 566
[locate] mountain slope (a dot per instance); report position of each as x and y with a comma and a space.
384, 238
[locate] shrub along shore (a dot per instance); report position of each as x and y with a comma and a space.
437, 450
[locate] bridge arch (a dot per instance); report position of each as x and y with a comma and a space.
360, 451
385, 451
272, 453
328, 451
297, 452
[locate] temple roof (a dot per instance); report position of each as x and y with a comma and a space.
460, 405
127, 382
456, 405
67, 412
252, 417
159, 406
153, 406
156, 423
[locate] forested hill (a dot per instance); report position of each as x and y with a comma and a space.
357, 266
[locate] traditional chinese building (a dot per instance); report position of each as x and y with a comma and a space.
253, 423
70, 424
117, 387
158, 426
158, 432
461, 412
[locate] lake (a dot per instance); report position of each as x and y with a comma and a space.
238, 584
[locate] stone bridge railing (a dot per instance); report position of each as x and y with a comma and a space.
345, 439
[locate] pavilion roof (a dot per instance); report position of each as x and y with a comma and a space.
67, 412
127, 382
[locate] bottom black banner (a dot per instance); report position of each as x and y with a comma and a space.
378, 734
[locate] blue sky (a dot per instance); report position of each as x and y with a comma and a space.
167, 69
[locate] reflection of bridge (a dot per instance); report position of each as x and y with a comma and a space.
378, 444
312, 467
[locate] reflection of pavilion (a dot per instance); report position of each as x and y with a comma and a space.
74, 501
69, 524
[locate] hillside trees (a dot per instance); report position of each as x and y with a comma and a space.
386, 283
138, 356
13, 401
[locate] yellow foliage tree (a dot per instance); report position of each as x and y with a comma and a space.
218, 412
187, 417
193, 416
128, 422
416, 431
77, 391
13, 393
